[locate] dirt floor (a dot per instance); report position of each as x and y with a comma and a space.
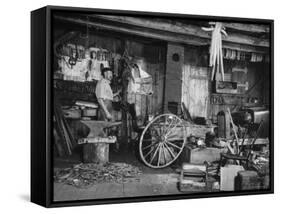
151, 181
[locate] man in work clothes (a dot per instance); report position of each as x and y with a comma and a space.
105, 95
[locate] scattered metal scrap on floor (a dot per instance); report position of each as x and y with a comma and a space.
87, 175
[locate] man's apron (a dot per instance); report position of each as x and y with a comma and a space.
101, 113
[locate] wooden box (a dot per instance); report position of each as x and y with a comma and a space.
247, 180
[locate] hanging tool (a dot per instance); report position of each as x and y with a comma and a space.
73, 59
62, 40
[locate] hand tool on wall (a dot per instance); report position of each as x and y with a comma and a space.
63, 39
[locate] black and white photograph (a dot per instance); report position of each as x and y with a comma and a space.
151, 105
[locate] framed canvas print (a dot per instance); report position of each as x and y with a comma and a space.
137, 106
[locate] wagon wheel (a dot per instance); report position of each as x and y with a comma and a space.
162, 141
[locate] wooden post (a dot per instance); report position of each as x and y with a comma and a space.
223, 124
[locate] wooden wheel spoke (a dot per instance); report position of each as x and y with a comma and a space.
173, 145
148, 153
169, 126
170, 151
159, 155
164, 155
155, 153
169, 132
177, 121
146, 147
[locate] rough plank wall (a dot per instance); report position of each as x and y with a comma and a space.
195, 90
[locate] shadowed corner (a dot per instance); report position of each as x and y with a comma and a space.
25, 197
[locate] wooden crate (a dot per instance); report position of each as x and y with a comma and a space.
247, 180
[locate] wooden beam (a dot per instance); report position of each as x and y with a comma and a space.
255, 28
186, 29
166, 36
245, 48
160, 35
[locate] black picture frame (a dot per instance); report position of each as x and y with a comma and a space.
42, 102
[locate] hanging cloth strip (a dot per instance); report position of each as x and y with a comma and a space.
216, 55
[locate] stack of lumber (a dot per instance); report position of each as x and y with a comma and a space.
64, 140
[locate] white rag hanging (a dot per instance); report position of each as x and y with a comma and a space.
216, 55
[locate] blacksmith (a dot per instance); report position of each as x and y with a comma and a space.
105, 95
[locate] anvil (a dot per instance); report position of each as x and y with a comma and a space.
98, 128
